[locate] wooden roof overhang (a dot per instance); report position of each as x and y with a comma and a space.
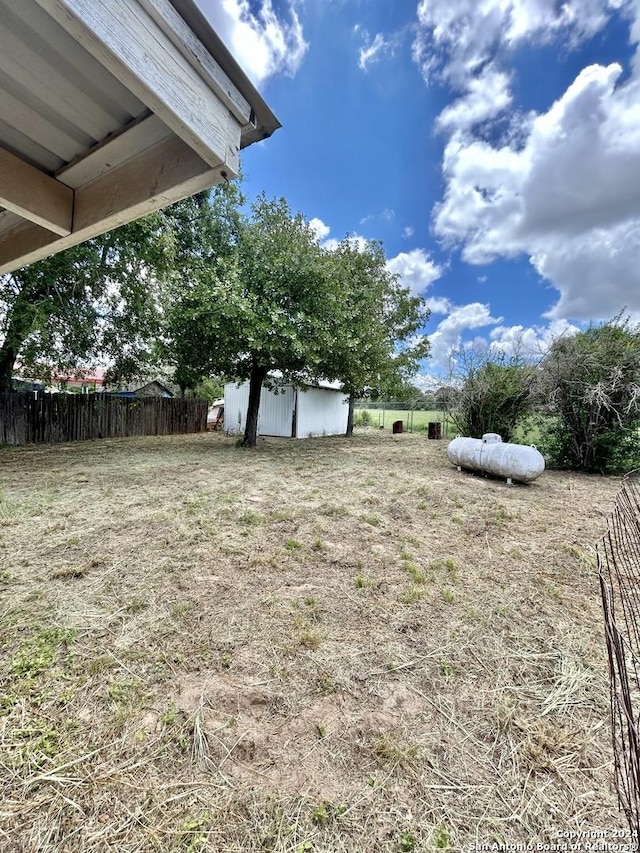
109, 110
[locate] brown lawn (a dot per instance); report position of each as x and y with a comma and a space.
322, 645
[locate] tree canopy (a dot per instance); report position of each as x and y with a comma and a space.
209, 287
96, 301
263, 305
590, 383
377, 346
274, 300
492, 392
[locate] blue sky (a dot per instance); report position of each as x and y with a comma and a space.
493, 146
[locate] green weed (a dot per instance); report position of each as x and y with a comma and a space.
447, 595
411, 594
414, 572
38, 652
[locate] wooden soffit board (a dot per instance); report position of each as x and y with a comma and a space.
174, 120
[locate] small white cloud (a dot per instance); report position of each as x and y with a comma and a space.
356, 241
487, 96
319, 228
373, 51
416, 269
387, 215
261, 40
529, 342
448, 334
438, 304
409, 231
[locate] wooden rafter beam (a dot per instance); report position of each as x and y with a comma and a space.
167, 172
34, 195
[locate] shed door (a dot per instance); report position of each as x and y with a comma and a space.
276, 412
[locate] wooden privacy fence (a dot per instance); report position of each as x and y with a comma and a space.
28, 418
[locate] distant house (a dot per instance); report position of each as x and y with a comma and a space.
87, 381
92, 381
155, 388
315, 410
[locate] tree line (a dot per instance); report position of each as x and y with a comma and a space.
582, 398
213, 287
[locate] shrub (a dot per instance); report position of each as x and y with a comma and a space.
363, 418
494, 394
590, 383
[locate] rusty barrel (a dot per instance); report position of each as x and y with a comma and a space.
434, 429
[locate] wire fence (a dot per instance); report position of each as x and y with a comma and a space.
619, 573
416, 415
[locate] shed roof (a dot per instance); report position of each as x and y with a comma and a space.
111, 110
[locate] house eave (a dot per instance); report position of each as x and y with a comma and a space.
110, 111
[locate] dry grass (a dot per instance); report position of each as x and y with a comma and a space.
323, 645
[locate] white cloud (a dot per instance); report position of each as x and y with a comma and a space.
416, 269
529, 342
263, 43
372, 51
319, 228
448, 334
438, 304
487, 95
322, 231
455, 38
387, 215
565, 197
356, 241
409, 231
426, 382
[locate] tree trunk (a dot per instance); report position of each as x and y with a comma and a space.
257, 377
21, 320
8, 357
349, 431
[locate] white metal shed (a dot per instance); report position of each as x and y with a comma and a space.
112, 109
314, 410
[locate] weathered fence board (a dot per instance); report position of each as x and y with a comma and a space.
28, 418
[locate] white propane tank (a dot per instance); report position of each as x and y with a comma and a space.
494, 456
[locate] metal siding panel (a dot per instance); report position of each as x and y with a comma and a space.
274, 418
236, 401
276, 412
321, 412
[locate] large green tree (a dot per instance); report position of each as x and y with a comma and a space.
264, 304
95, 301
378, 344
590, 385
